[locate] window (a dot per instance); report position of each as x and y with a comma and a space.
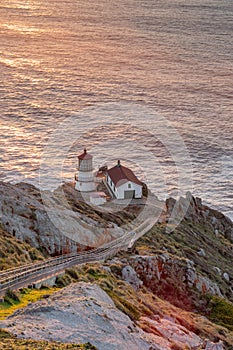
129, 185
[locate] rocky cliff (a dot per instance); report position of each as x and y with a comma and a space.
193, 209
26, 214
173, 290
84, 312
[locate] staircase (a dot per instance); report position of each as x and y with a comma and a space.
29, 274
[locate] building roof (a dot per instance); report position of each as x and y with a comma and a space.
119, 174
85, 155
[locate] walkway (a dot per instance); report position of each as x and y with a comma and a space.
31, 273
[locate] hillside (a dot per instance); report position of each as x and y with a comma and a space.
14, 252
174, 285
26, 213
192, 243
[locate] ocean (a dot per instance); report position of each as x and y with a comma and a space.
131, 76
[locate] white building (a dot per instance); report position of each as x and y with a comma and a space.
85, 177
123, 183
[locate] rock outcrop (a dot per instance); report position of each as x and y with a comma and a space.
77, 314
129, 275
192, 208
55, 228
182, 265
176, 276
61, 222
83, 312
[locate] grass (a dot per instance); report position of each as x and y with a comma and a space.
9, 342
133, 303
10, 305
15, 253
143, 302
185, 241
220, 312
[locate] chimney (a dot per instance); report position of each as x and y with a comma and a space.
118, 163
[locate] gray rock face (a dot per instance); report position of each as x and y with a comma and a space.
130, 276
208, 345
83, 312
77, 314
56, 228
164, 269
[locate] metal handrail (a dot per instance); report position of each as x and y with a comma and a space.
53, 266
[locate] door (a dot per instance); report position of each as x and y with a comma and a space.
129, 194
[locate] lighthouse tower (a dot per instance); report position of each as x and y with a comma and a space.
85, 178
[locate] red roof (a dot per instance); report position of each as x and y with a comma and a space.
119, 175
85, 155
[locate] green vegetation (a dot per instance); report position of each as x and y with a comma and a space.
185, 241
117, 289
63, 281
11, 297
13, 301
15, 253
220, 312
143, 302
9, 342
133, 303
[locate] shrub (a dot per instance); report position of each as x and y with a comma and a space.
11, 297
63, 281
4, 334
72, 273
221, 311
106, 284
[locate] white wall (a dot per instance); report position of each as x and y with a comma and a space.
119, 191
111, 185
85, 186
85, 182
85, 176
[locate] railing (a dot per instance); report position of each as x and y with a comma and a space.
31, 273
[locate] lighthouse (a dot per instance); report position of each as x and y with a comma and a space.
85, 177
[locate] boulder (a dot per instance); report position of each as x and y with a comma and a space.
218, 270
202, 252
208, 345
172, 332
80, 313
130, 276
226, 277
